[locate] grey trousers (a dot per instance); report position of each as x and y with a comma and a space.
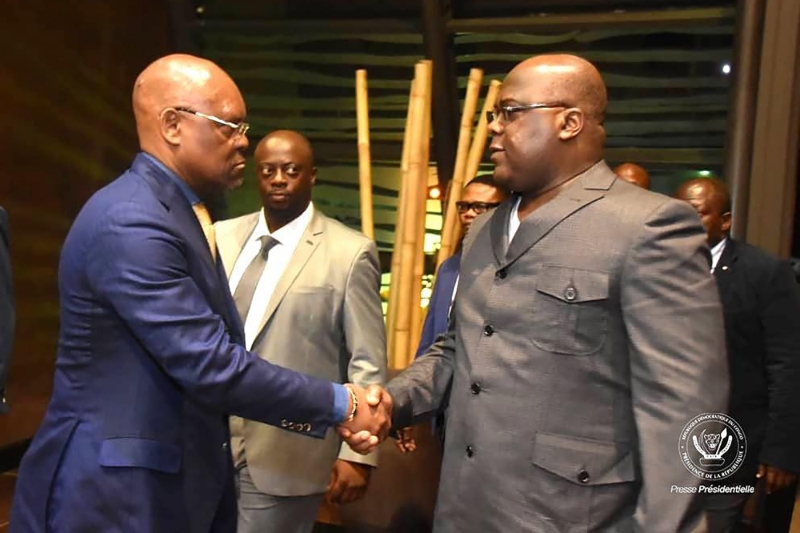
724, 512
264, 513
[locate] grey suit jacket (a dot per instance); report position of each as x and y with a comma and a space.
577, 353
324, 319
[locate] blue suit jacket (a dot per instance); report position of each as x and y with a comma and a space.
439, 307
149, 365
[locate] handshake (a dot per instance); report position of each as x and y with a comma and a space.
372, 419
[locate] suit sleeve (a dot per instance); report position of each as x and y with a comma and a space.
421, 391
780, 322
6, 308
671, 311
364, 331
138, 267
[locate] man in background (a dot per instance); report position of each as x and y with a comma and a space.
633, 173
306, 288
6, 308
761, 305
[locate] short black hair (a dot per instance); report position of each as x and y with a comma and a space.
486, 179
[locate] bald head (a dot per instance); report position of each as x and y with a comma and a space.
633, 173
712, 201
188, 113
176, 80
536, 149
286, 176
565, 79
299, 143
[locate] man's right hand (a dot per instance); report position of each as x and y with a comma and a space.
373, 419
406, 442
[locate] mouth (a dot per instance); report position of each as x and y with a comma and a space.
279, 196
494, 151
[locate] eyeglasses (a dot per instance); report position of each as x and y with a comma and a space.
238, 129
504, 113
478, 207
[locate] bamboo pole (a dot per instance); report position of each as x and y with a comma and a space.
402, 200
457, 180
416, 170
422, 202
477, 149
364, 159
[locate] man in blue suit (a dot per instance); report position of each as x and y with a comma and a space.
479, 196
150, 360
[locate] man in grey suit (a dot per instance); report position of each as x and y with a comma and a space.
6, 308
587, 332
307, 290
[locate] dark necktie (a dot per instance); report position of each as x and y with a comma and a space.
243, 296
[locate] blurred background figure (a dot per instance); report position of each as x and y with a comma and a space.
633, 173
761, 304
6, 308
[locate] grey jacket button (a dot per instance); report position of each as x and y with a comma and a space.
570, 294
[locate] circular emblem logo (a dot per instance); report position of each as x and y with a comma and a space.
712, 446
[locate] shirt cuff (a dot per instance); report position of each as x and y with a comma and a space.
341, 401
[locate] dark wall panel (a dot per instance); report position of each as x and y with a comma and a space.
66, 73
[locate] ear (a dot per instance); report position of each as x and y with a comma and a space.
571, 123
313, 175
169, 125
726, 222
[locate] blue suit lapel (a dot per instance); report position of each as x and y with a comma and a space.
209, 275
448, 274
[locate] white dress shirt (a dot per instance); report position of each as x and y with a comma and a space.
279, 256
716, 253
513, 220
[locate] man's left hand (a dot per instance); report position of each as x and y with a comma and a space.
349, 482
776, 478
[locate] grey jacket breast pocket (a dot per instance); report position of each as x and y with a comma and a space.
570, 310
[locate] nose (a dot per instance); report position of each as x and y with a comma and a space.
279, 178
242, 142
495, 127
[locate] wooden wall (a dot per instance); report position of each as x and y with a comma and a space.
66, 73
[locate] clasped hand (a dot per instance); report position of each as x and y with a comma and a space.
373, 419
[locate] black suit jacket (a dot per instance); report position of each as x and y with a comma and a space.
6, 308
761, 303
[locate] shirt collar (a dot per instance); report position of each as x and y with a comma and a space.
187, 191
716, 252
289, 233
